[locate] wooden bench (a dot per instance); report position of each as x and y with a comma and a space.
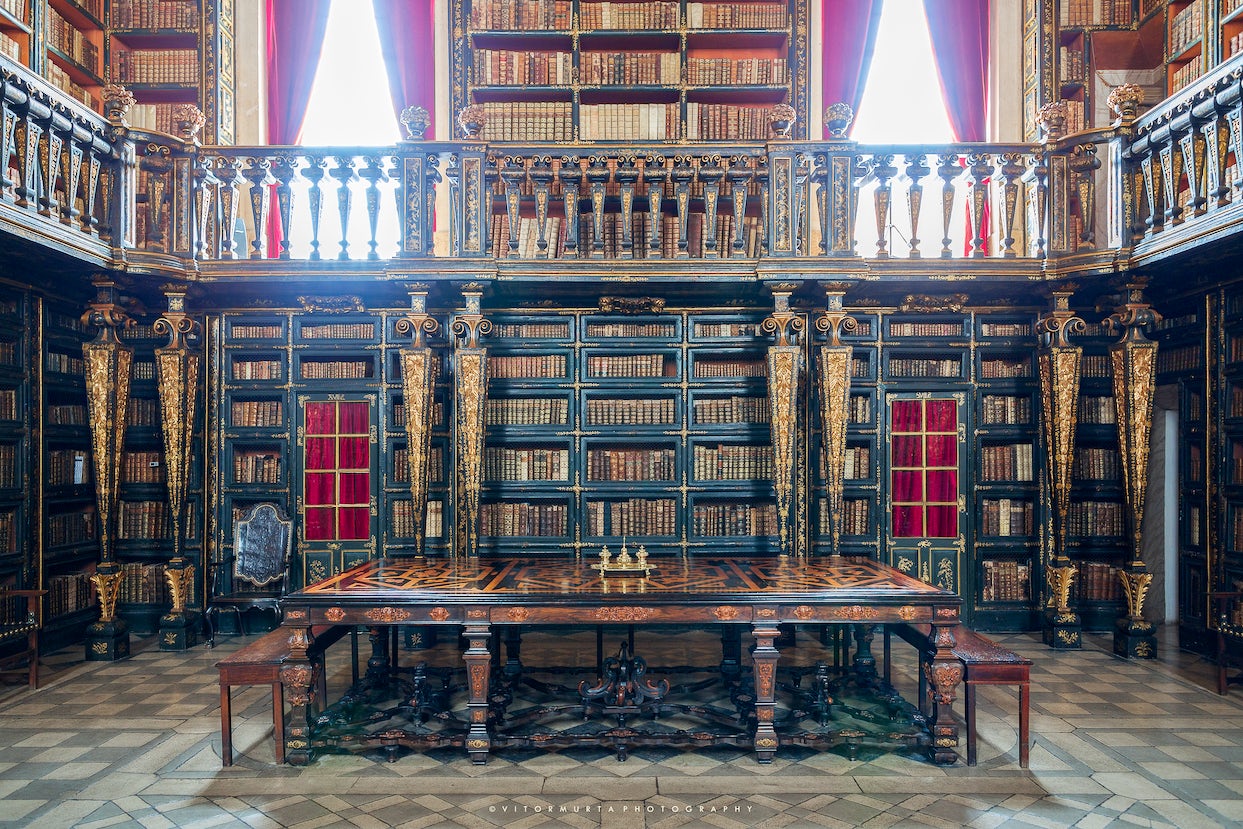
259, 663
984, 663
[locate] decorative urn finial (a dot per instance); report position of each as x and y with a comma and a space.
471, 119
416, 120
117, 102
1124, 100
837, 119
188, 119
1052, 119
781, 119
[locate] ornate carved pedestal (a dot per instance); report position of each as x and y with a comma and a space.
1135, 638
1062, 629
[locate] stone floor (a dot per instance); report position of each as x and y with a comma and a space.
136, 743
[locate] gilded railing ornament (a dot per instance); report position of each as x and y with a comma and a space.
416, 120
837, 119
418, 376
470, 393
781, 120
189, 121
178, 366
1125, 100
472, 119
1052, 119
1060, 364
118, 101
1134, 362
785, 363
108, 365
835, 371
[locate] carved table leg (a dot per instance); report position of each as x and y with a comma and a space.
865, 662
297, 676
944, 672
478, 666
378, 664
765, 659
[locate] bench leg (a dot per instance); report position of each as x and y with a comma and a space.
226, 726
969, 710
1024, 733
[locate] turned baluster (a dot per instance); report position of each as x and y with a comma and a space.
598, 175
541, 182
372, 172
283, 169
570, 175
627, 176
230, 184
710, 176
260, 201
654, 175
314, 172
882, 169
916, 170
948, 169
343, 172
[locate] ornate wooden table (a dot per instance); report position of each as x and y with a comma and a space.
478, 594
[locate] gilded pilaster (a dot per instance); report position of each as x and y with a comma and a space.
785, 363
1060, 367
108, 366
418, 373
835, 365
179, 368
1134, 359
470, 375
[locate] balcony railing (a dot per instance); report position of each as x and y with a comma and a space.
1092, 200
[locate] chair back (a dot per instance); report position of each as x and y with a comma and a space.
262, 546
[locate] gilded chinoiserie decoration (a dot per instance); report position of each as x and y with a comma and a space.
835, 371
926, 303
837, 119
804, 612
1134, 363
470, 393
472, 119
418, 377
781, 119
118, 101
387, 615
1125, 100
331, 304
108, 366
189, 121
416, 120
1060, 367
438, 614
631, 305
334, 614
622, 614
518, 614
1052, 119
858, 613
178, 368
785, 364
725, 612
906, 612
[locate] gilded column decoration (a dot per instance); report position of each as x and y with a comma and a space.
835, 365
470, 375
179, 367
785, 363
1060, 368
108, 366
1134, 361
418, 375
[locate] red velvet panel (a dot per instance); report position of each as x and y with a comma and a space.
907, 521
942, 521
319, 524
321, 418
942, 450
355, 523
407, 41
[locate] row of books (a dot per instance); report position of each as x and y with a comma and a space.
1005, 581
733, 462
55, 361
626, 365
612, 239
1008, 462
856, 517
337, 369
142, 467
527, 411
632, 517
630, 122
256, 466
1005, 409
251, 369
1096, 13
71, 528
8, 538
528, 239
858, 463
142, 411
733, 520
1002, 369
1097, 582
733, 409
531, 366
1097, 409
500, 67
651, 411
629, 68
725, 122
71, 41
143, 370
438, 414
435, 465
8, 465
925, 367
145, 584
338, 331
1186, 27
8, 404
1095, 518
528, 121
1005, 329
504, 464
68, 467
10, 48
1195, 463
1070, 65
558, 330
1188, 357
1188, 72
630, 330
661, 14
1005, 517
154, 14
631, 465
925, 329
70, 593
1234, 45
258, 413
524, 15
17, 9
703, 367
729, 71
737, 16
156, 66
403, 519
1094, 463
504, 518
60, 79
724, 330
142, 519
255, 331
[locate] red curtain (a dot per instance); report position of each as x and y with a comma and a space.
408, 43
295, 36
848, 33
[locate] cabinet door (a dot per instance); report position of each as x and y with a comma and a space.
337, 480
925, 521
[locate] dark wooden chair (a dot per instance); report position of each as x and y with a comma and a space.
19, 635
256, 574
1228, 630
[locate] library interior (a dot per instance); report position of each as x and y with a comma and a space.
639, 439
